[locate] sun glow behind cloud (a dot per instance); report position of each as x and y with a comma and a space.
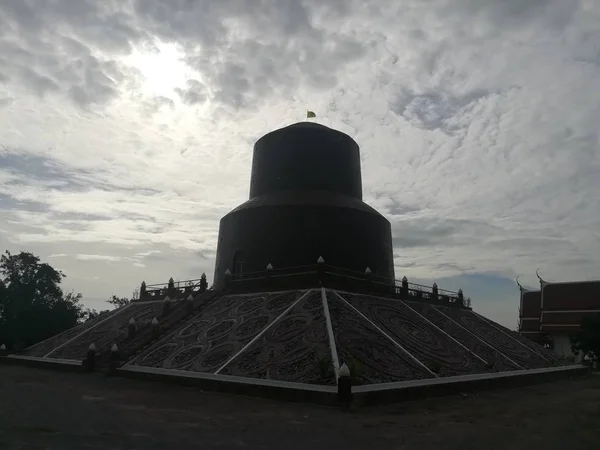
162, 68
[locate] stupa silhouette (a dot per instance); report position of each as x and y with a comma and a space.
304, 283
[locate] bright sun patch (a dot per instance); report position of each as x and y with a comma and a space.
163, 69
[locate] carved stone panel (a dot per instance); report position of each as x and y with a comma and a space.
43, 348
371, 357
428, 344
294, 349
473, 343
495, 338
213, 336
113, 330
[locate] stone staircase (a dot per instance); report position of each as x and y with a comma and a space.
172, 316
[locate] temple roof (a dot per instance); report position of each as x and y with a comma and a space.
571, 295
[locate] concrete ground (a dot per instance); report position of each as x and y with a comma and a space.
42, 409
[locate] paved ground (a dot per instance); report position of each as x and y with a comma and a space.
51, 410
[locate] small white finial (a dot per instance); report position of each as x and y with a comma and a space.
132, 321
114, 348
167, 299
320, 260
92, 347
190, 297
269, 266
155, 321
344, 371
368, 270
227, 272
2, 348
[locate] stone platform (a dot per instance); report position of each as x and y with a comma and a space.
291, 344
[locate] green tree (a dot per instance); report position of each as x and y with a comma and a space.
117, 302
32, 304
587, 340
90, 314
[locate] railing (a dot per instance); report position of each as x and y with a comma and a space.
314, 275
178, 284
341, 279
159, 291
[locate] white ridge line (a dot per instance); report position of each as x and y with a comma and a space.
334, 356
478, 338
439, 329
177, 329
264, 330
386, 335
110, 316
79, 325
510, 337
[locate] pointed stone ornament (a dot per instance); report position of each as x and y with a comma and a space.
2, 348
344, 385
114, 348
190, 297
368, 270
155, 321
89, 362
320, 260
132, 321
167, 299
227, 272
344, 371
434, 285
269, 266
404, 279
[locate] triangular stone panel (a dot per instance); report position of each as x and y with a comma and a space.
295, 348
428, 344
213, 336
490, 355
41, 349
372, 357
106, 333
495, 338
532, 346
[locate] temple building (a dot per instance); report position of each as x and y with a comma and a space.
550, 315
304, 304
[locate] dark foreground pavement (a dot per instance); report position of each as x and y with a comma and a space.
51, 410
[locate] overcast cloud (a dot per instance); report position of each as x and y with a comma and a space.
127, 130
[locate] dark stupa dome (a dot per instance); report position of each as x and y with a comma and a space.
306, 156
305, 202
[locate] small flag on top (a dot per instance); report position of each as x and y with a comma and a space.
310, 114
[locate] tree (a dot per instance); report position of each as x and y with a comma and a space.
32, 304
117, 302
587, 340
90, 314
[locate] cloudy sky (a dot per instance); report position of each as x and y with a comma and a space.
126, 131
